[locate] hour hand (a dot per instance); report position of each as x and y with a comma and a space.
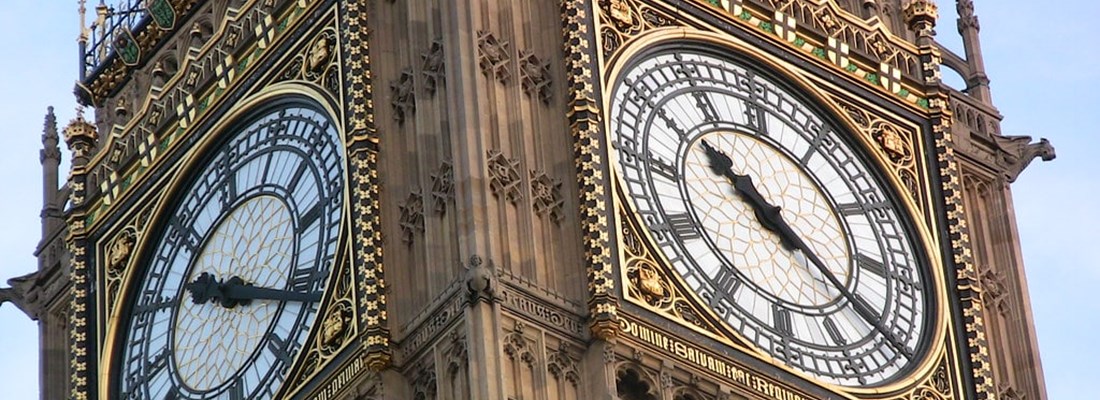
235, 291
720, 163
768, 214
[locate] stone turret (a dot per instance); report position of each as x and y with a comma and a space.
977, 82
50, 157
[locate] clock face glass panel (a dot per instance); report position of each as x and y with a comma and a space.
264, 207
794, 242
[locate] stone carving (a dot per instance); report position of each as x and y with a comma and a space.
457, 355
431, 66
623, 20
516, 346
1019, 152
535, 75
443, 187
563, 366
403, 95
546, 195
412, 216
504, 178
994, 289
493, 56
480, 281
424, 382
653, 288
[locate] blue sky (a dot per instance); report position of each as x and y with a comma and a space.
1045, 71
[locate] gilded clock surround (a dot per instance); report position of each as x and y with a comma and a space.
314, 74
903, 177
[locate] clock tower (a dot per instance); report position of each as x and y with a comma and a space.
575, 199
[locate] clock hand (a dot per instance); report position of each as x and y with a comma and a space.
767, 214
234, 291
772, 220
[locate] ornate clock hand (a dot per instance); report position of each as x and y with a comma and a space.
766, 213
235, 291
770, 217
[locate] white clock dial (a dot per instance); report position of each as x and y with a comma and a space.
768, 211
234, 281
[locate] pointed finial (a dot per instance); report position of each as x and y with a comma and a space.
49, 128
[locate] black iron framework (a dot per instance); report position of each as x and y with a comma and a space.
258, 225
796, 244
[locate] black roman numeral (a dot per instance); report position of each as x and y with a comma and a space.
702, 100
160, 304
727, 282
861, 208
782, 320
757, 118
682, 226
311, 216
833, 331
302, 279
297, 177
660, 167
866, 263
278, 348
236, 392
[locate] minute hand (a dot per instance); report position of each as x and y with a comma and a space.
770, 217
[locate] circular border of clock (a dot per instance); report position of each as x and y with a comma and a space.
231, 278
771, 213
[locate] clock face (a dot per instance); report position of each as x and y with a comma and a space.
770, 216
235, 280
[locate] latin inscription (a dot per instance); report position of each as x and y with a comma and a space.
704, 359
340, 381
548, 315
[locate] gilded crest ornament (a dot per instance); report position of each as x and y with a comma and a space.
119, 253
620, 11
319, 53
649, 281
333, 328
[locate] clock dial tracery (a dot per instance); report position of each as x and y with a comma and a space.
770, 216
234, 281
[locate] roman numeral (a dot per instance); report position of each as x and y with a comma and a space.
660, 167
702, 100
302, 279
727, 282
782, 320
682, 226
173, 393
671, 123
861, 208
186, 235
236, 392
311, 216
866, 263
278, 348
757, 118
297, 177
161, 304
157, 364
863, 308
833, 331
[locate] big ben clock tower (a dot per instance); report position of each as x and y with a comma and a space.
493, 199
